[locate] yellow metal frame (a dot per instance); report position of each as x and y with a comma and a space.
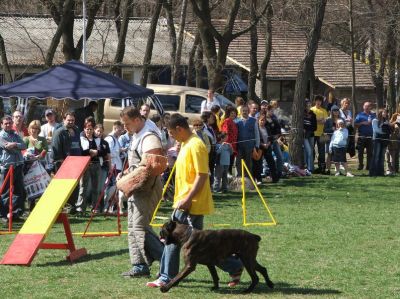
245, 223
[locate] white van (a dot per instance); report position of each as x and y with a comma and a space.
174, 98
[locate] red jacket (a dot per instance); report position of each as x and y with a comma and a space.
231, 129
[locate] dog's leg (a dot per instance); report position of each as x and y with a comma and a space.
264, 272
250, 266
181, 275
214, 275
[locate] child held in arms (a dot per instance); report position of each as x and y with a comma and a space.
338, 147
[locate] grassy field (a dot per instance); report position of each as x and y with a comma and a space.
336, 237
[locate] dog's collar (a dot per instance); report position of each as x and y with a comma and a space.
189, 232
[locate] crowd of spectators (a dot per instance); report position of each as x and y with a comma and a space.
247, 131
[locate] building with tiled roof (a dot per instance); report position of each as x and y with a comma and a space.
27, 39
332, 66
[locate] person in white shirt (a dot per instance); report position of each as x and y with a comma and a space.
211, 101
47, 131
145, 112
116, 161
337, 147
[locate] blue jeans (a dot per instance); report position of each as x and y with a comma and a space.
276, 148
309, 153
169, 264
378, 158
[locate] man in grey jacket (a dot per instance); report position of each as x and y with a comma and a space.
144, 244
11, 145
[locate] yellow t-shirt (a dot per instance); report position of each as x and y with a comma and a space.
219, 121
319, 113
193, 159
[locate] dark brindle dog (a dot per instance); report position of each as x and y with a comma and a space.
210, 248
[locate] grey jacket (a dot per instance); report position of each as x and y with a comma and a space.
8, 157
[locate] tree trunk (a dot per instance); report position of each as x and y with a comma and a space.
167, 4
68, 47
178, 56
190, 77
150, 41
199, 65
252, 79
6, 70
55, 41
119, 55
379, 82
267, 51
4, 61
303, 75
391, 46
353, 67
377, 75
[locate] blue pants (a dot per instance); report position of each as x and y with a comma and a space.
309, 153
169, 265
276, 148
378, 158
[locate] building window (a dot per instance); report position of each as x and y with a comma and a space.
127, 77
288, 90
273, 90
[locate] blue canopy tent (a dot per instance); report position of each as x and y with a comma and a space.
73, 80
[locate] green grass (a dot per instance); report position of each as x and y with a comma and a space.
336, 237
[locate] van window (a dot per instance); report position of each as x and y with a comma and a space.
193, 103
118, 102
169, 102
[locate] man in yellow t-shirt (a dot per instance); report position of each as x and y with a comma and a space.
321, 115
192, 198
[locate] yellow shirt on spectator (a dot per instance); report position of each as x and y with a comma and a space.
192, 160
320, 113
219, 120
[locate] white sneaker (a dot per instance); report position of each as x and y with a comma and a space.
337, 173
350, 175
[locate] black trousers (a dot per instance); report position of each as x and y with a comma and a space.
364, 143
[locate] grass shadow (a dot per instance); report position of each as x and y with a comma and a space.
261, 288
88, 258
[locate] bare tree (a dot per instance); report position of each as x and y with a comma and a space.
303, 76
215, 61
252, 78
126, 11
199, 65
150, 41
353, 67
4, 61
190, 78
267, 51
391, 47
63, 13
178, 56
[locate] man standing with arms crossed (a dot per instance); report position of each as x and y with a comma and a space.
192, 198
144, 245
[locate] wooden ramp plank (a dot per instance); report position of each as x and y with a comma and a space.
45, 213
72, 168
23, 249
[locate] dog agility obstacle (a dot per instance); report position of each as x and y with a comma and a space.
47, 211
